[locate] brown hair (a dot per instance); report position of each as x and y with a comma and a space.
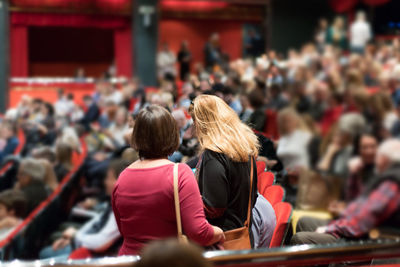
170, 253
64, 154
14, 200
155, 134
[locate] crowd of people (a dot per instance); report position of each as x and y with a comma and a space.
321, 108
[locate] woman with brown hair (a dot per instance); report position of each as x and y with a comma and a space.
143, 198
227, 148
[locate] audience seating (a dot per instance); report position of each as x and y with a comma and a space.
260, 167
274, 194
21, 138
271, 124
28, 237
283, 212
265, 180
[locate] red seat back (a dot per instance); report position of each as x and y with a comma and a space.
265, 180
21, 139
271, 124
274, 194
283, 212
260, 167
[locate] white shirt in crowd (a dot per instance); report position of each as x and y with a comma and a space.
94, 241
360, 33
166, 63
293, 149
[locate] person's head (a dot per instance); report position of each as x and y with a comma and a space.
288, 121
184, 45
214, 39
37, 104
8, 129
256, 98
219, 129
171, 253
155, 134
80, 72
30, 170
87, 100
165, 46
114, 170
338, 22
47, 109
121, 117
368, 145
12, 203
323, 23
179, 117
64, 154
388, 154
60, 93
44, 152
70, 97
361, 16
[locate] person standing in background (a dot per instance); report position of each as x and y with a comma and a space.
184, 59
166, 62
336, 34
212, 52
320, 34
360, 33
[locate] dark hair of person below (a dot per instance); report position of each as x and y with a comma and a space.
14, 200
117, 166
155, 134
171, 253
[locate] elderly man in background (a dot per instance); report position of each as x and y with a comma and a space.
378, 206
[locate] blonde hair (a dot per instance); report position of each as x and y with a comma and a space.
219, 129
291, 112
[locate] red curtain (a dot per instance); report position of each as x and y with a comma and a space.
116, 6
176, 5
19, 37
341, 6
19, 51
123, 51
63, 20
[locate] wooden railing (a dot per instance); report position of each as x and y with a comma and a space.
362, 252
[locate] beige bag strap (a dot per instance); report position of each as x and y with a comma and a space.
251, 191
177, 205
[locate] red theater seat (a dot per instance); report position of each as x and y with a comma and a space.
271, 124
260, 167
274, 194
21, 139
283, 212
265, 180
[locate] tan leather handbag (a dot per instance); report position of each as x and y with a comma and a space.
239, 239
181, 237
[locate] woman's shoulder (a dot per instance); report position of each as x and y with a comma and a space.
213, 155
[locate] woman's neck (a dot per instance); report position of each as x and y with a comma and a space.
149, 163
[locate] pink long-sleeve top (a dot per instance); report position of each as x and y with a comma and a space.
143, 204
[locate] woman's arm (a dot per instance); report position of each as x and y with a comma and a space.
194, 222
214, 188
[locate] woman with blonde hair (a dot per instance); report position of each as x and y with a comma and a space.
227, 148
292, 148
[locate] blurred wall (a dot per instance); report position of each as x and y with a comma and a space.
293, 22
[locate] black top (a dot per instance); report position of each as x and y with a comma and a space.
225, 185
34, 193
257, 120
